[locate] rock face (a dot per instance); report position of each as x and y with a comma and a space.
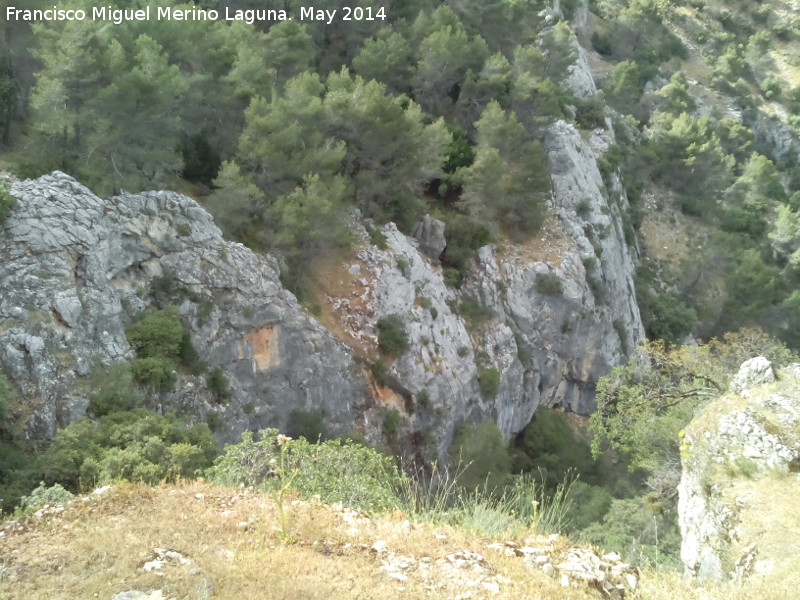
430, 234
739, 483
76, 269
536, 323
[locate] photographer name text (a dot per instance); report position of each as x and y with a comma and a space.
167, 13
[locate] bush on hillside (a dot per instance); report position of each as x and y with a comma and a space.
113, 390
481, 453
307, 424
133, 446
336, 470
157, 333
7, 202
392, 336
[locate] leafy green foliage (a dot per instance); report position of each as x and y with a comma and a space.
482, 456
217, 383
7, 202
689, 146
392, 336
509, 181
643, 404
336, 470
391, 422
160, 341
5, 402
201, 162
489, 381
135, 446
753, 288
43, 496
306, 424
550, 447
549, 284
155, 372
640, 534
157, 333
113, 390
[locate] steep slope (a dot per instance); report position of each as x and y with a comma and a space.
78, 269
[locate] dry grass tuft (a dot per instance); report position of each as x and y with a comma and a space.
96, 548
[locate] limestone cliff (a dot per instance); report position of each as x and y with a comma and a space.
77, 269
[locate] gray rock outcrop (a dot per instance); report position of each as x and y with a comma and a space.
739, 486
429, 232
756, 371
76, 269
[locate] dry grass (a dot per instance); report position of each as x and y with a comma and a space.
94, 549
549, 246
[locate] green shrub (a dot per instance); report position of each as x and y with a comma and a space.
641, 536
392, 336
18, 475
156, 373
44, 496
391, 422
7, 202
404, 266
590, 503
135, 446
590, 113
113, 390
550, 447
218, 383
482, 454
452, 277
214, 420
377, 238
473, 311
306, 424
5, 401
336, 470
489, 381
549, 284
771, 88
201, 162
157, 333
424, 399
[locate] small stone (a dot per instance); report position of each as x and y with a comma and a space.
491, 587
564, 581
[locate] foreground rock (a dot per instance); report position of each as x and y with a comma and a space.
739, 487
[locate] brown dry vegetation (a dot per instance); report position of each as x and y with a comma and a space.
96, 548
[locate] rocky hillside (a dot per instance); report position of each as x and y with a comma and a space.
739, 485
559, 312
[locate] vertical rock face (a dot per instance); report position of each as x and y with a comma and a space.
739, 485
533, 323
76, 269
